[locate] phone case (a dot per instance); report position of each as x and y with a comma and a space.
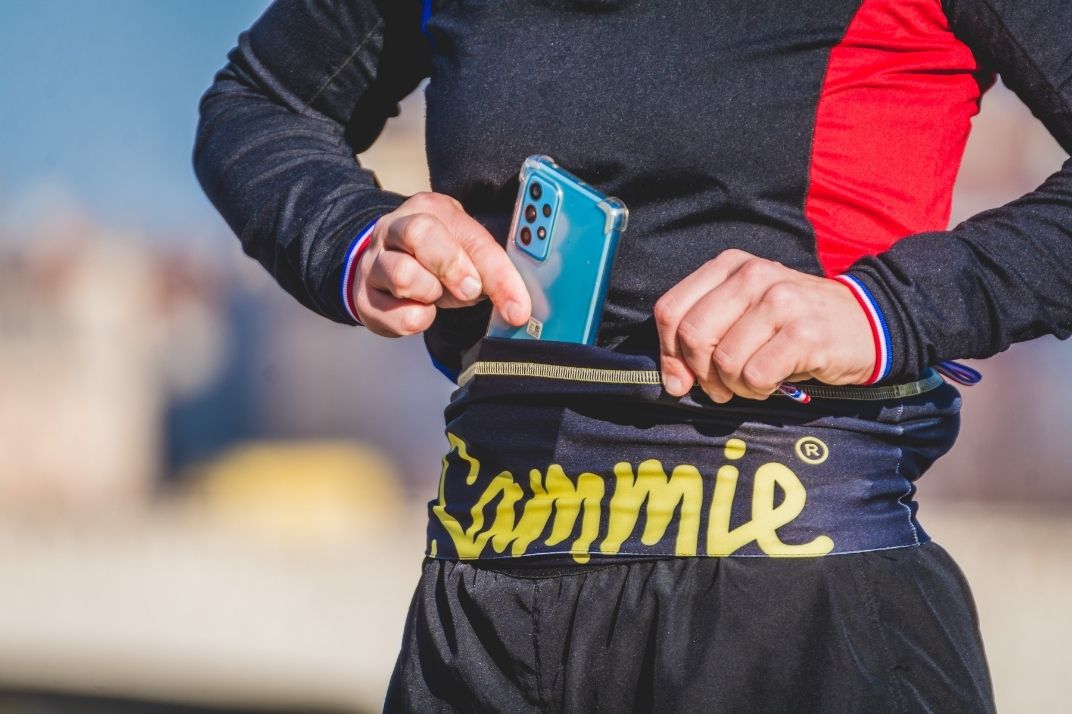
563, 239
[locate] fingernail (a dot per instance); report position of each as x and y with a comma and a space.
470, 288
673, 385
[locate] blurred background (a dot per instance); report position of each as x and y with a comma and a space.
206, 499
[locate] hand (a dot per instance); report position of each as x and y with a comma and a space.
430, 253
743, 325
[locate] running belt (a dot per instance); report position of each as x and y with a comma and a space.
570, 452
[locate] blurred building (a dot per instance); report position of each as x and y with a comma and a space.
92, 333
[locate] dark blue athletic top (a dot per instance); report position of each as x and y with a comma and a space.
827, 139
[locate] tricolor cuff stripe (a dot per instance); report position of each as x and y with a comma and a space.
349, 272
880, 330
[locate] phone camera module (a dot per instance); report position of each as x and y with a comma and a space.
526, 236
535, 190
541, 232
547, 210
530, 213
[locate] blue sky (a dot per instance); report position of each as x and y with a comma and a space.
98, 99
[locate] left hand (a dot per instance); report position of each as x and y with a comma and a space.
742, 325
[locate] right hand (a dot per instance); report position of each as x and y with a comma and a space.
429, 253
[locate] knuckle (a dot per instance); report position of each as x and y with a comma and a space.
420, 229
414, 320
733, 254
782, 296
756, 269
665, 311
725, 361
690, 336
423, 201
456, 268
756, 378
402, 275
483, 248
434, 203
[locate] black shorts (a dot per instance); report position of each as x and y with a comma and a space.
892, 630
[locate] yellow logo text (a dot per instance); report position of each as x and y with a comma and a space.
644, 490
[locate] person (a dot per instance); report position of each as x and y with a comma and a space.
603, 540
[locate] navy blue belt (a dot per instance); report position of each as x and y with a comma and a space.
569, 451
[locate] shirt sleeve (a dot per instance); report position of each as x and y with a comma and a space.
311, 84
1004, 275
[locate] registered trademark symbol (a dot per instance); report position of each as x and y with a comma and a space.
811, 450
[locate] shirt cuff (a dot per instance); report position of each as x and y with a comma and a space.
349, 271
880, 329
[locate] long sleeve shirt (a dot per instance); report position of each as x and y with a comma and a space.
826, 137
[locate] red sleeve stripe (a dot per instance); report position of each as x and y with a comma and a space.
880, 332
349, 272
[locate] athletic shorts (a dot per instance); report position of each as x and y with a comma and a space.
885, 631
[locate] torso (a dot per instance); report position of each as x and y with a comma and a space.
811, 137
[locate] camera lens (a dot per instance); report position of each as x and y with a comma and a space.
526, 236
535, 190
541, 232
530, 213
547, 210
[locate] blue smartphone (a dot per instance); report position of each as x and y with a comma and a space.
563, 240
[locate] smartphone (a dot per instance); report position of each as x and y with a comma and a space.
563, 239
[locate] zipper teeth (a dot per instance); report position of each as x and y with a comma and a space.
875, 394
563, 372
596, 375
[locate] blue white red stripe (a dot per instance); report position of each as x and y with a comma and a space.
959, 373
794, 392
349, 271
880, 330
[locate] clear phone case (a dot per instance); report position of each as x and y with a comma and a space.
563, 239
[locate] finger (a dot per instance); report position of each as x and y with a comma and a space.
717, 311
429, 240
750, 334
676, 375
709, 276
498, 275
672, 307
386, 315
705, 326
774, 363
745, 340
401, 275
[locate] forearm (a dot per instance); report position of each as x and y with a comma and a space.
999, 278
290, 189
275, 150
1002, 276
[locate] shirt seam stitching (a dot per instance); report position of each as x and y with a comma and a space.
1050, 87
345, 63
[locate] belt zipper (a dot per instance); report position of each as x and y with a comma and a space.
652, 377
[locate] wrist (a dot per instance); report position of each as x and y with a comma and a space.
880, 331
